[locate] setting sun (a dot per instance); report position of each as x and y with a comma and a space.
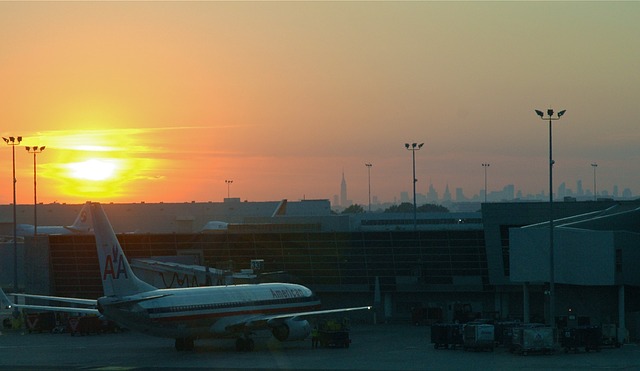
94, 169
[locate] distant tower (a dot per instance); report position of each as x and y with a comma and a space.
432, 194
343, 192
447, 195
509, 192
562, 190
579, 189
459, 195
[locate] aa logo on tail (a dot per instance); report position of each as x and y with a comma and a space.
114, 265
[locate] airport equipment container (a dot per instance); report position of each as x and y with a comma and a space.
587, 337
610, 335
531, 338
85, 325
479, 336
445, 335
504, 332
40, 322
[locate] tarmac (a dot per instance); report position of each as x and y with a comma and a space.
373, 347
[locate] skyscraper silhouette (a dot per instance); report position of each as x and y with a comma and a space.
343, 192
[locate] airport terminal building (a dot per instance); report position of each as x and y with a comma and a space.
494, 263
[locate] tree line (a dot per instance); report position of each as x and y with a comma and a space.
405, 207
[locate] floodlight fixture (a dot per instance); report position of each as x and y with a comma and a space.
552, 289
413, 148
13, 143
35, 150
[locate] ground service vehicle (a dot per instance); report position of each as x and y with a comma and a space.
334, 334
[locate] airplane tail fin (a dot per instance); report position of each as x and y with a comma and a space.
82, 224
281, 209
117, 277
5, 302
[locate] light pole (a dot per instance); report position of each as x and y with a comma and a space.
552, 284
228, 187
35, 150
369, 172
595, 192
13, 142
485, 166
413, 147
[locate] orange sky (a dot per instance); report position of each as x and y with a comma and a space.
172, 98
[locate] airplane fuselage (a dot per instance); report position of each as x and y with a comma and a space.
25, 230
200, 312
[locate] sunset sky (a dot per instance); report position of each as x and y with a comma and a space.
164, 101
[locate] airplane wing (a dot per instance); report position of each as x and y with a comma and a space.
10, 305
47, 308
273, 320
88, 302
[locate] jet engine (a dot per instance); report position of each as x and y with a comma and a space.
292, 329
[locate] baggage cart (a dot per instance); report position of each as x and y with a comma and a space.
610, 335
504, 333
587, 337
446, 335
533, 338
479, 336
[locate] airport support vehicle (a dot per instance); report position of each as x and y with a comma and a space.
334, 334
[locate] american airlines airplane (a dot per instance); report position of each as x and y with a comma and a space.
81, 225
187, 314
215, 226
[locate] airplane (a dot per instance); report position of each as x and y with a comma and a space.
215, 226
80, 226
188, 314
